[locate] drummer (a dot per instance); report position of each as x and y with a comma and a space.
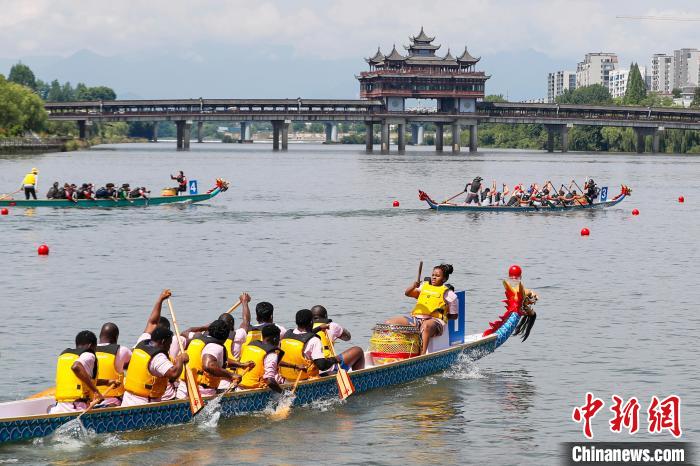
436, 305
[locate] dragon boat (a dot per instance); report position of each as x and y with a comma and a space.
27, 419
624, 192
220, 186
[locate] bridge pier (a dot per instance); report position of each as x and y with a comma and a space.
656, 141
642, 133
331, 133
385, 137
369, 136
417, 134
83, 130
473, 141
200, 138
564, 138
284, 125
280, 131
401, 129
154, 132
275, 135
456, 137
439, 136
184, 129
563, 133
245, 132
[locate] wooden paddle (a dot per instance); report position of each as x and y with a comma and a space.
345, 385
234, 307
196, 403
5, 196
95, 402
234, 385
420, 272
283, 411
458, 194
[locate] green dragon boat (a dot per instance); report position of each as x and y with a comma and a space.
221, 186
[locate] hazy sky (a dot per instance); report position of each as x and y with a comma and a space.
320, 29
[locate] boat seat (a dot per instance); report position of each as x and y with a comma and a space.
439, 343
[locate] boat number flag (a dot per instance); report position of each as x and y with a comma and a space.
193, 186
603, 194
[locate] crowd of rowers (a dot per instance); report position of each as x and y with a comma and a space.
251, 356
73, 192
535, 195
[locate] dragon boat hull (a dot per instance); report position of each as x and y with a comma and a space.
15, 427
221, 186
527, 208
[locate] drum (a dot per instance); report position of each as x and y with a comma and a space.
391, 343
168, 192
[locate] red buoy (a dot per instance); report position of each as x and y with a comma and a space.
635, 211
681, 199
515, 271
396, 203
585, 231
43, 250
4, 211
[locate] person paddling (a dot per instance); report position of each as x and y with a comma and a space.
76, 375
150, 369
436, 305
354, 357
29, 183
113, 360
266, 356
473, 190
181, 182
53, 192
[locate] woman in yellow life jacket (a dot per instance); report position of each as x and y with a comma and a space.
76, 375
436, 304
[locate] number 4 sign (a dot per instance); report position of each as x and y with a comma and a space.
193, 186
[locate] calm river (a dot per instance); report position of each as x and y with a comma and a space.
618, 311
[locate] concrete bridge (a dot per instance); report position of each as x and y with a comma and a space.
645, 121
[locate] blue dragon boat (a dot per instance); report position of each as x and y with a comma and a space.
442, 206
26, 419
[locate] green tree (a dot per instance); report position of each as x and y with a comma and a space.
21, 109
596, 94
495, 98
636, 91
676, 93
22, 74
696, 98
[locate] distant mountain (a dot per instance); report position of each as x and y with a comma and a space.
249, 72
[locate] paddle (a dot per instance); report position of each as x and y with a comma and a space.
94, 402
345, 385
234, 307
5, 196
420, 271
196, 403
234, 385
458, 194
282, 412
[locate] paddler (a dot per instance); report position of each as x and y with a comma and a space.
264, 314
209, 359
150, 369
266, 356
155, 320
473, 190
112, 361
436, 305
237, 336
29, 183
181, 182
303, 347
354, 357
76, 375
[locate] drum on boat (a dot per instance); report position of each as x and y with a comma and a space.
391, 343
168, 192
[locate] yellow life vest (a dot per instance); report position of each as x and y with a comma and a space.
106, 356
228, 344
293, 346
327, 353
255, 333
431, 302
194, 351
139, 379
29, 178
256, 352
69, 387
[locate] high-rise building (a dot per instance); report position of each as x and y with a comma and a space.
558, 82
686, 68
662, 74
617, 83
595, 69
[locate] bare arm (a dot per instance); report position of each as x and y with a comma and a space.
84, 377
179, 363
211, 365
245, 301
412, 291
154, 318
274, 386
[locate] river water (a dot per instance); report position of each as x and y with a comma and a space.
618, 310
